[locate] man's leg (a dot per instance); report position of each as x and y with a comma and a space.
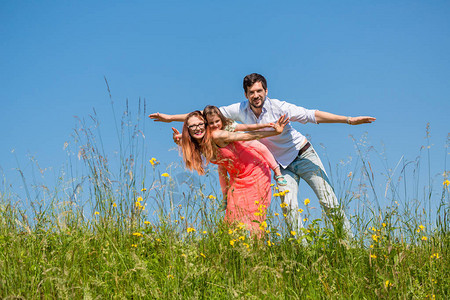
293, 217
310, 168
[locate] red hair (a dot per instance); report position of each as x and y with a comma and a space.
193, 150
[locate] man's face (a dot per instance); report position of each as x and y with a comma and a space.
256, 95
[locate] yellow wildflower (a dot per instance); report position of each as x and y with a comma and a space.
134, 245
306, 202
256, 202
424, 238
305, 219
165, 175
284, 204
269, 243
446, 182
182, 218
232, 242
371, 246
170, 276
300, 210
276, 214
146, 222
96, 213
272, 184
137, 234
263, 225
421, 227
242, 237
211, 197
246, 245
373, 256
158, 240
284, 215
190, 229
183, 255
114, 204
276, 194
143, 190
387, 283
375, 237
230, 231
435, 255
201, 253
384, 224
153, 161
293, 232
204, 232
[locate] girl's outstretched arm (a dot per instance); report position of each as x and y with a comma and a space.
252, 127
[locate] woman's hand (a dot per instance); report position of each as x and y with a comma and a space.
176, 136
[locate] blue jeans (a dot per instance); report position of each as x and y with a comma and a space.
309, 167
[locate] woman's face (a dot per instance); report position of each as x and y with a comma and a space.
196, 127
214, 122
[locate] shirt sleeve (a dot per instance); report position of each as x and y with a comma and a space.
297, 113
231, 111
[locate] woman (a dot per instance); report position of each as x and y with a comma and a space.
248, 190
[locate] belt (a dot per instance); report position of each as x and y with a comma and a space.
304, 148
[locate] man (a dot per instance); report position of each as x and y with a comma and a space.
291, 149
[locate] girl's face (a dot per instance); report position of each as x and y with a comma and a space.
214, 122
196, 127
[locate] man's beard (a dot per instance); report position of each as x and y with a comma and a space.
258, 106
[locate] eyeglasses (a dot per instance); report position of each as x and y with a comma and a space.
195, 126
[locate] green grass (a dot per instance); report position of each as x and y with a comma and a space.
98, 234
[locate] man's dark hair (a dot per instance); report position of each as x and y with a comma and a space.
253, 78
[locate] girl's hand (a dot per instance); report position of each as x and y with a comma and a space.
281, 123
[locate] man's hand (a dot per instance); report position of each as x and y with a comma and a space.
176, 136
158, 117
360, 120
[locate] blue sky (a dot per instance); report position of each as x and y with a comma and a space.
387, 59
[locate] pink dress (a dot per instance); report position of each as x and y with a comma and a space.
249, 182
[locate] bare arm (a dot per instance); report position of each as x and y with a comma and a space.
252, 127
325, 117
223, 138
223, 179
159, 117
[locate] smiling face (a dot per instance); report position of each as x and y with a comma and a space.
196, 127
256, 95
214, 122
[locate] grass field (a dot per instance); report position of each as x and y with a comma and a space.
111, 230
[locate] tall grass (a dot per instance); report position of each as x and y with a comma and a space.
122, 226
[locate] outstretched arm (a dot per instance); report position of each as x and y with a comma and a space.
223, 138
252, 127
159, 117
325, 117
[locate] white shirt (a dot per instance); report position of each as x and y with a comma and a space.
284, 146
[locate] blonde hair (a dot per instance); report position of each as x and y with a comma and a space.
195, 152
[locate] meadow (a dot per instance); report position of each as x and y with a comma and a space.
124, 226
